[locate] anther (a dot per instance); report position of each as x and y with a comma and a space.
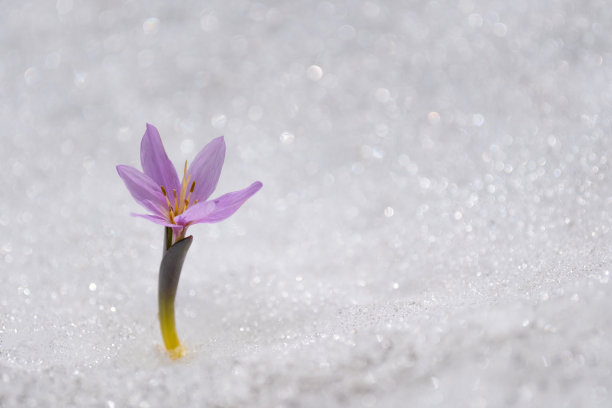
191, 190
166, 196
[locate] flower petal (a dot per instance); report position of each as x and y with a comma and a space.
155, 161
144, 190
206, 169
195, 213
227, 204
156, 219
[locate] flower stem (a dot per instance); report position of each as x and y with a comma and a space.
167, 239
169, 274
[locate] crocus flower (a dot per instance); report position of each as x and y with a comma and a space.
179, 204
176, 205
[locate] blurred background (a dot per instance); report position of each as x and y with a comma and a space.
433, 227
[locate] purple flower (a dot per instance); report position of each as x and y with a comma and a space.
179, 204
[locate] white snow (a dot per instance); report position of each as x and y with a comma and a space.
433, 230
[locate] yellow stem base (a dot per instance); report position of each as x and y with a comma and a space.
177, 352
168, 330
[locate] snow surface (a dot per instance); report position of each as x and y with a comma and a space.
433, 230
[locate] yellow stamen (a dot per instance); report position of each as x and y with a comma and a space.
190, 190
181, 198
166, 196
184, 190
